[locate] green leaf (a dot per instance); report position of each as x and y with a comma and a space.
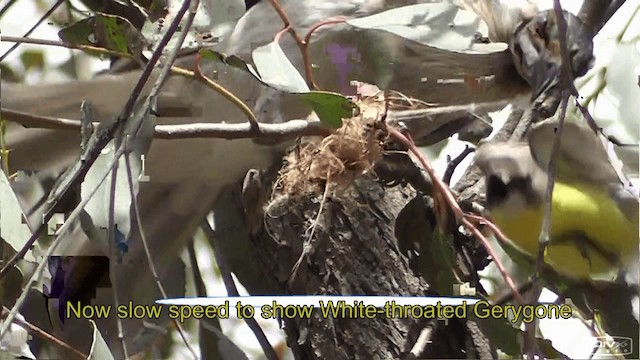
107, 31
134, 13
443, 258
112, 31
504, 336
10, 74
330, 107
208, 54
508, 338
32, 59
231, 60
78, 33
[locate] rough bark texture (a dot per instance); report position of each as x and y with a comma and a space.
354, 251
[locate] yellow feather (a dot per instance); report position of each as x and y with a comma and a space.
580, 208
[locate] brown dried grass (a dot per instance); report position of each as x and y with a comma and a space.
347, 153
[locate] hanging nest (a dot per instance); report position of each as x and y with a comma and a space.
347, 153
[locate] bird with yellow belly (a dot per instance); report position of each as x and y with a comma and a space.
594, 215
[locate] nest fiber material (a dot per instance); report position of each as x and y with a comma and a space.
349, 152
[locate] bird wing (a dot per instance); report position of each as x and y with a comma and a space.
584, 156
581, 154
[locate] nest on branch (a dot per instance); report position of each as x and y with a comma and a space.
350, 151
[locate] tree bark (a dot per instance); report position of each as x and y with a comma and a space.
354, 251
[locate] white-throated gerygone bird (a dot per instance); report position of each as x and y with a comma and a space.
594, 213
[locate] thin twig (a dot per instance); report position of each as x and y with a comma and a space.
280, 132
567, 73
333, 21
232, 290
543, 240
205, 325
299, 41
4, 151
45, 42
43, 18
81, 169
114, 251
629, 22
544, 237
453, 164
147, 252
253, 121
6, 7
505, 275
414, 119
566, 82
197, 74
306, 57
460, 216
40, 268
46, 336
137, 121
201, 288
308, 242
507, 297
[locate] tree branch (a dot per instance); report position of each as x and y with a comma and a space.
595, 13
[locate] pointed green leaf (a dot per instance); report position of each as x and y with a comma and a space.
330, 107
32, 59
103, 30
79, 33
231, 60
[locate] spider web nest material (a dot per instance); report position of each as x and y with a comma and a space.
347, 153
